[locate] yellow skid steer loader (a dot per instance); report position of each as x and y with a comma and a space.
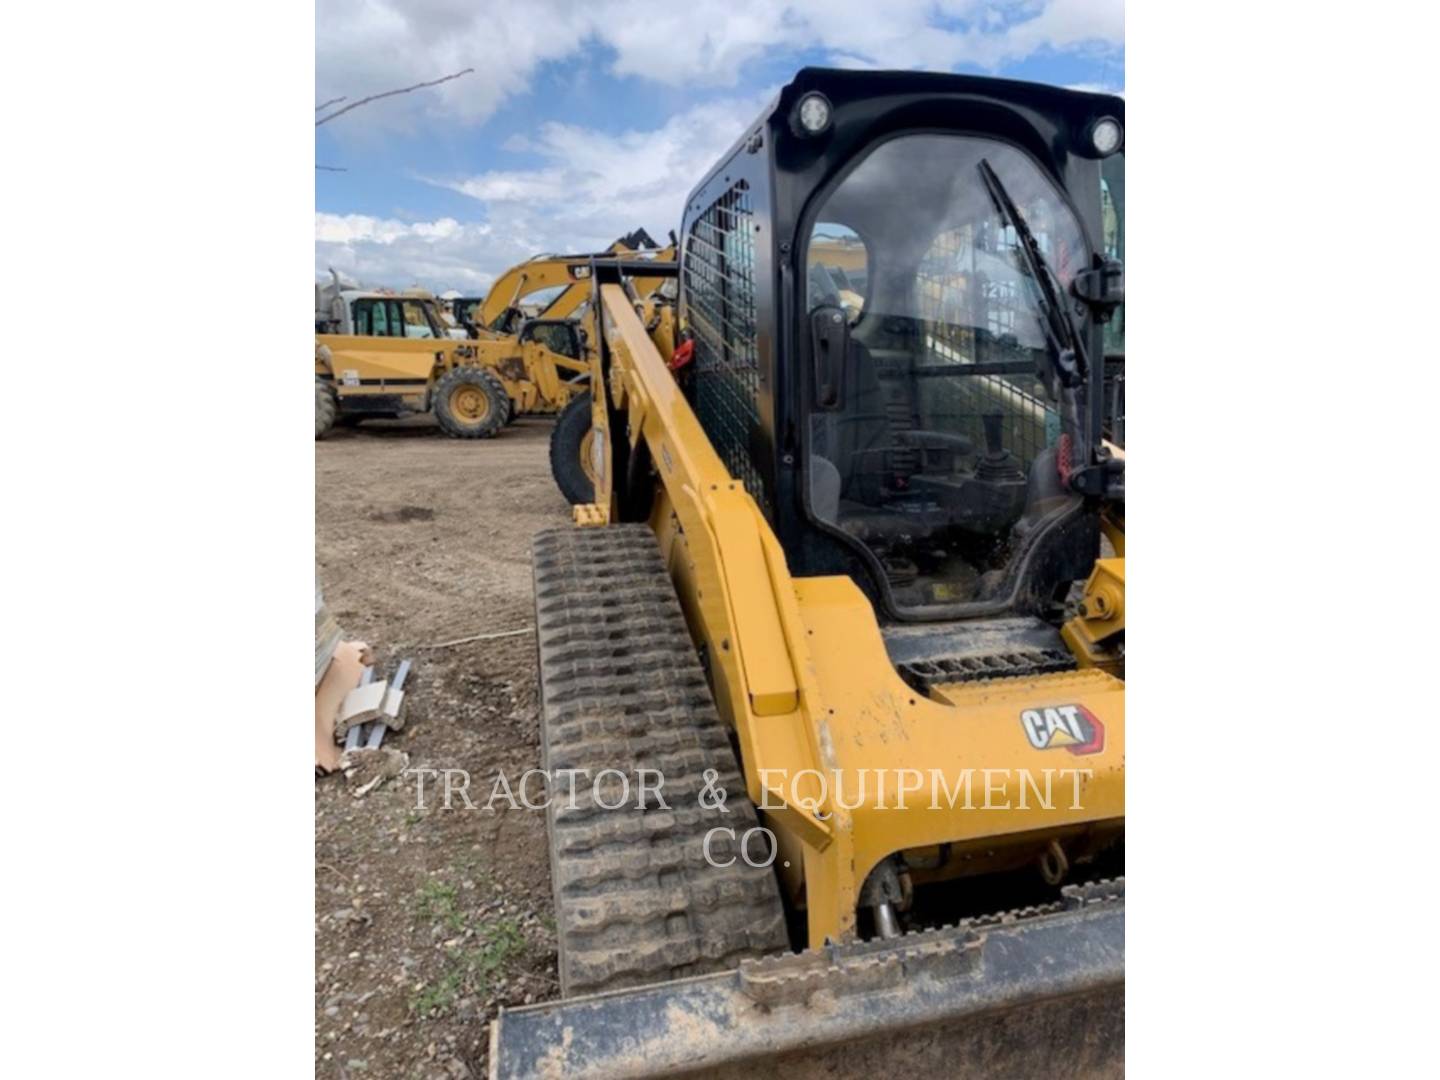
848, 608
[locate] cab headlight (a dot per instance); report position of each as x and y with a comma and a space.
812, 114
1106, 135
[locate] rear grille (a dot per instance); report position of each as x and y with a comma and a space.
924, 674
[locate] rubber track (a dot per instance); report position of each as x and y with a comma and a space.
635, 899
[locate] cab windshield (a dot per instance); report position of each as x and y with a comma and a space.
924, 448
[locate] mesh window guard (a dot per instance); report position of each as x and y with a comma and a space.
720, 313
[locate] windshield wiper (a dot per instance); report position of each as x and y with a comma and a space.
1060, 332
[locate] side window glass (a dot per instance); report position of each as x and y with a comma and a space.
838, 269
1112, 217
360, 314
559, 338
416, 325
380, 319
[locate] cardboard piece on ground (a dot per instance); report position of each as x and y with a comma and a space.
361, 705
341, 677
327, 632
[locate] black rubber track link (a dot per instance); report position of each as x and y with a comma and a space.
636, 901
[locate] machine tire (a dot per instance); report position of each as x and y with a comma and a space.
570, 451
471, 403
327, 408
621, 688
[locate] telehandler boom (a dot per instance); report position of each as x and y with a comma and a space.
852, 584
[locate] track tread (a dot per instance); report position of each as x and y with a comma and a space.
622, 688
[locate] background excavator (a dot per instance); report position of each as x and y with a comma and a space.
853, 537
553, 287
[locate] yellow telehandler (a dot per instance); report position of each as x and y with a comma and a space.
832, 663
383, 354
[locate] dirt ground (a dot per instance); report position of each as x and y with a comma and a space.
427, 920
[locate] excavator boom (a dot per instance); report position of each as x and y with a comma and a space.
546, 273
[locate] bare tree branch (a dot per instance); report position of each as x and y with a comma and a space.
327, 104
332, 168
389, 93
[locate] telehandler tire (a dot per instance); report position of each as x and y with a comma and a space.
570, 451
327, 408
470, 403
642, 895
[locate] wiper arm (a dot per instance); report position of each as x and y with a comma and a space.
1059, 330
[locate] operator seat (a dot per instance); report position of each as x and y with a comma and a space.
869, 428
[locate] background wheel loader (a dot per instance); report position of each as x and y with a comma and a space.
383, 354
868, 547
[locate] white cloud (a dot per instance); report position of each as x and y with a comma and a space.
444, 253
595, 184
363, 46
594, 187
366, 46
590, 189
590, 186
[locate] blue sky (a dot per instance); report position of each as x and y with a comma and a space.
583, 121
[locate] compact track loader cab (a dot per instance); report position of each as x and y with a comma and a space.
855, 558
